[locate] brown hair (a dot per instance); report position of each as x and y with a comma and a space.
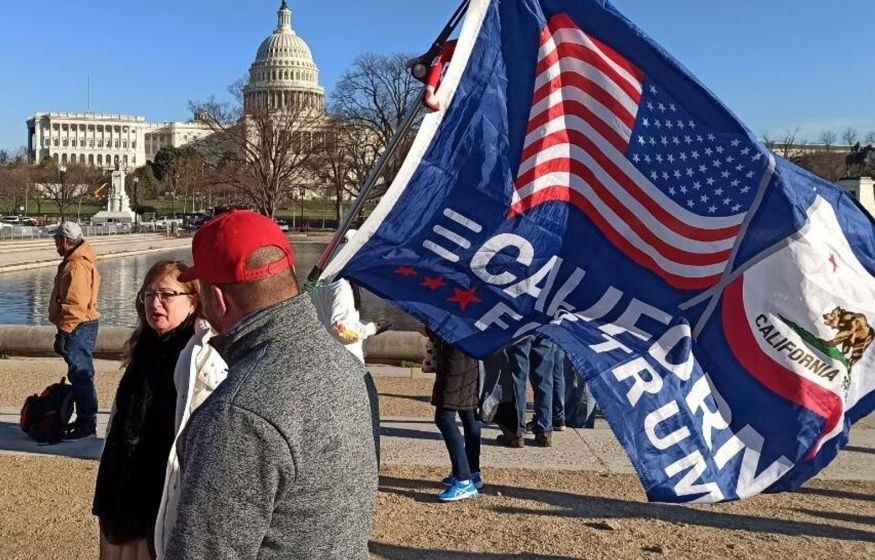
158, 271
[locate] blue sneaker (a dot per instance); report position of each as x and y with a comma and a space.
458, 491
477, 480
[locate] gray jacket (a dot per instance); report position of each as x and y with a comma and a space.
279, 462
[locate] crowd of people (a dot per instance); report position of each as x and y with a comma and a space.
245, 424
240, 427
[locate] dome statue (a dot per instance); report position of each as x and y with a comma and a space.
284, 75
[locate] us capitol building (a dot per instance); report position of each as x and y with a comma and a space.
282, 76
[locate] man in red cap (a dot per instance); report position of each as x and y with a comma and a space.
274, 464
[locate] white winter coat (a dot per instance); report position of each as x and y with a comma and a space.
335, 306
199, 370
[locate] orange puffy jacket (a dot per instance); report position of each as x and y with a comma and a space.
74, 297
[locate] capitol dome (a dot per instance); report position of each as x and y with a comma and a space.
284, 75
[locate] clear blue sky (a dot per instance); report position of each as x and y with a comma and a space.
778, 64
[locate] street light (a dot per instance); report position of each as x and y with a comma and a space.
136, 203
62, 169
302, 208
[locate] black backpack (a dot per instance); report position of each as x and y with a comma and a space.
44, 416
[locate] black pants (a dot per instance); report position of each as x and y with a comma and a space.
464, 453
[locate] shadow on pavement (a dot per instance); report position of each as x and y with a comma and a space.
858, 449
842, 494
598, 508
867, 520
405, 552
408, 433
12, 439
425, 399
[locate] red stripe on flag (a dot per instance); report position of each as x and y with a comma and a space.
576, 109
563, 21
584, 84
775, 377
626, 215
657, 211
585, 54
564, 194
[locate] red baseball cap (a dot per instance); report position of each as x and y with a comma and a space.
222, 246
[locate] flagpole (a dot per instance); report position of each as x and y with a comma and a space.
419, 67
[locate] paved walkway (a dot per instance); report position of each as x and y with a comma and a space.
25, 254
416, 441
37, 253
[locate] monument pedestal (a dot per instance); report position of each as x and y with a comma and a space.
861, 188
118, 205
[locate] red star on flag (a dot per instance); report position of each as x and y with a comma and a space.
464, 297
406, 271
433, 282
832, 260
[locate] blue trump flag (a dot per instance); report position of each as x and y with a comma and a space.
579, 182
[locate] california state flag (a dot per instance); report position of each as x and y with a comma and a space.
802, 322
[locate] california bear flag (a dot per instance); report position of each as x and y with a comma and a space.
800, 321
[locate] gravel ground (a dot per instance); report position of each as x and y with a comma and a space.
22, 377
523, 514
545, 515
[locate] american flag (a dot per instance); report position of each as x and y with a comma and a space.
660, 186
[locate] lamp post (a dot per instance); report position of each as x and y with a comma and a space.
136, 203
175, 178
62, 169
302, 208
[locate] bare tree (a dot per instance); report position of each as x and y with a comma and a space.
66, 184
264, 155
350, 150
828, 138
785, 145
870, 137
14, 183
374, 93
850, 136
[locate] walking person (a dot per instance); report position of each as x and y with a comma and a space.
274, 463
130, 478
455, 393
73, 310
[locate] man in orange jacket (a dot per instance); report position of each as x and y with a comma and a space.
73, 310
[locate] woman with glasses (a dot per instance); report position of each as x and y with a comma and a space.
142, 428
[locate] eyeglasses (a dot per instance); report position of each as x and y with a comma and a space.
163, 297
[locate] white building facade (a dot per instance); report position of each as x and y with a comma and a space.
104, 140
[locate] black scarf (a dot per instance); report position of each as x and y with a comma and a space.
130, 478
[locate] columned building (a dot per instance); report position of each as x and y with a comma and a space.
89, 138
284, 75
104, 140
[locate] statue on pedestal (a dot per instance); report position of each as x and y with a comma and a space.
858, 157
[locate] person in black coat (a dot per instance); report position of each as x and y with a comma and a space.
455, 393
130, 478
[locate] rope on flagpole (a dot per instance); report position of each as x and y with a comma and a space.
420, 68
